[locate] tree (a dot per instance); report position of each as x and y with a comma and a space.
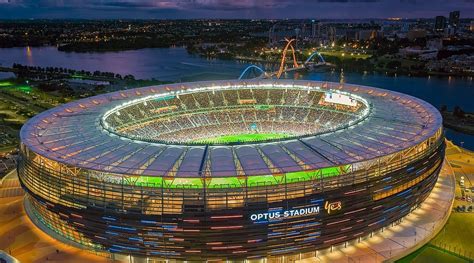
458, 112
129, 77
394, 64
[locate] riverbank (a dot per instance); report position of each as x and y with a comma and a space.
463, 124
177, 65
388, 71
36, 89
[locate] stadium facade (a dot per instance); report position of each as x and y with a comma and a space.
142, 172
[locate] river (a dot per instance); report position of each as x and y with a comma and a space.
175, 64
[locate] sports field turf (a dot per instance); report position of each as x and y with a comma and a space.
252, 137
432, 254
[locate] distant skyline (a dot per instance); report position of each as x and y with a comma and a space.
251, 9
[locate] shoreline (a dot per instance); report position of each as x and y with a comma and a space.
462, 125
238, 58
379, 71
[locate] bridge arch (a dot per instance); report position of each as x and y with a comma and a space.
249, 68
316, 53
289, 44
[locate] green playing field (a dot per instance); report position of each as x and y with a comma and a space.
248, 137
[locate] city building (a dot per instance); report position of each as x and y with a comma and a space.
454, 19
449, 31
434, 43
316, 29
369, 34
142, 172
422, 53
416, 33
440, 23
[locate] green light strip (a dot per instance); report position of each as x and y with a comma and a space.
249, 137
236, 182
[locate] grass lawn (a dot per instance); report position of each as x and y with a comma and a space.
405, 63
243, 138
432, 255
458, 233
347, 55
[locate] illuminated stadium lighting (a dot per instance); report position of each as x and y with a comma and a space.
360, 114
229, 170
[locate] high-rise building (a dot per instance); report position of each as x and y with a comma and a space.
440, 23
454, 19
331, 34
315, 29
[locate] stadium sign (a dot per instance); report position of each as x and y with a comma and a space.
272, 215
334, 206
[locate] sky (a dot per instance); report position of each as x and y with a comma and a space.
251, 9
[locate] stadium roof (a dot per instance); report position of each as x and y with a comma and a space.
72, 134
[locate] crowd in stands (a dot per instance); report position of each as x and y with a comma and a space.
196, 116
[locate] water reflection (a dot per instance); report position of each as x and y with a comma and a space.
175, 64
29, 56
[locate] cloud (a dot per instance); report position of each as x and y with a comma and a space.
349, 1
318, 9
178, 4
233, 4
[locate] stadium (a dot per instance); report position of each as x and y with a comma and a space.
229, 170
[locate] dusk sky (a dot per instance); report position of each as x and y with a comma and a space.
319, 9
